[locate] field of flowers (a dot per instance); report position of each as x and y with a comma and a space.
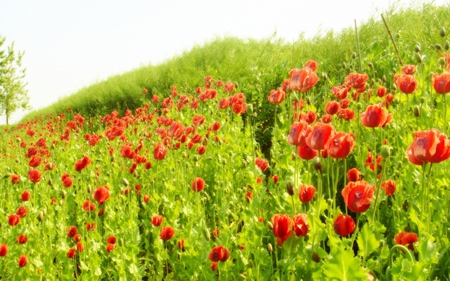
354, 184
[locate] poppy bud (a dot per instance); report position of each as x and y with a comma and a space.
50, 182
344, 66
353, 55
437, 47
317, 164
417, 48
270, 248
63, 194
416, 111
370, 65
290, 188
446, 45
418, 57
385, 151
270, 225
125, 182
324, 76
441, 62
442, 32
206, 234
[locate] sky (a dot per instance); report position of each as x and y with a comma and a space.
70, 45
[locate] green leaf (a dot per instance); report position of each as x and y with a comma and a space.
342, 265
367, 242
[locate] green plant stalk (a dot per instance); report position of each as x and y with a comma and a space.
377, 182
359, 49
392, 40
423, 195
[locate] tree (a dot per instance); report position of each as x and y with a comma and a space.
13, 95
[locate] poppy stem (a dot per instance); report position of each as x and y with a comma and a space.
359, 49
423, 192
392, 39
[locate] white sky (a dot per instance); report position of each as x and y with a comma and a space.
72, 44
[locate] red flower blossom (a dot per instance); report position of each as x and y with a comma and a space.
166, 233
441, 82
80, 247
306, 193
276, 96
282, 226
354, 175
301, 226
428, 147
22, 260
82, 163
346, 113
229, 87
340, 92
344, 225
275, 178
109, 247
21, 212
111, 240
35, 161
197, 184
13, 220
240, 107
201, 149
306, 153
157, 220
160, 151
406, 83
389, 187
375, 116
22, 239
381, 91
302, 79
408, 69
72, 231
77, 237
180, 244
146, 198
3, 250
67, 180
71, 253
213, 266
219, 253
34, 176
332, 107
262, 164
406, 239
357, 81
319, 136
15, 179
198, 120
25, 196
358, 196
88, 206
298, 132
101, 194
340, 145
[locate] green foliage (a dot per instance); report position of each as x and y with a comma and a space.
13, 95
342, 266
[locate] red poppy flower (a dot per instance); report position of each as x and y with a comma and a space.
22, 260
77, 237
381, 91
223, 103
406, 239
354, 175
275, 178
332, 107
219, 253
160, 151
389, 187
358, 195
344, 225
3, 250
201, 149
198, 120
157, 220
428, 147
229, 87
262, 164
441, 82
21, 212
306, 153
341, 92
35, 161
67, 180
298, 132
13, 220
166, 233
240, 107
22, 239
101, 194
213, 266
146, 198
357, 81
326, 118
88, 206
79, 247
276, 96
72, 231
340, 145
25, 196
15, 179
197, 184
301, 226
406, 83
302, 79
306, 193
375, 116
319, 136
180, 244
109, 247
282, 226
71, 253
34, 176
82, 163
408, 69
